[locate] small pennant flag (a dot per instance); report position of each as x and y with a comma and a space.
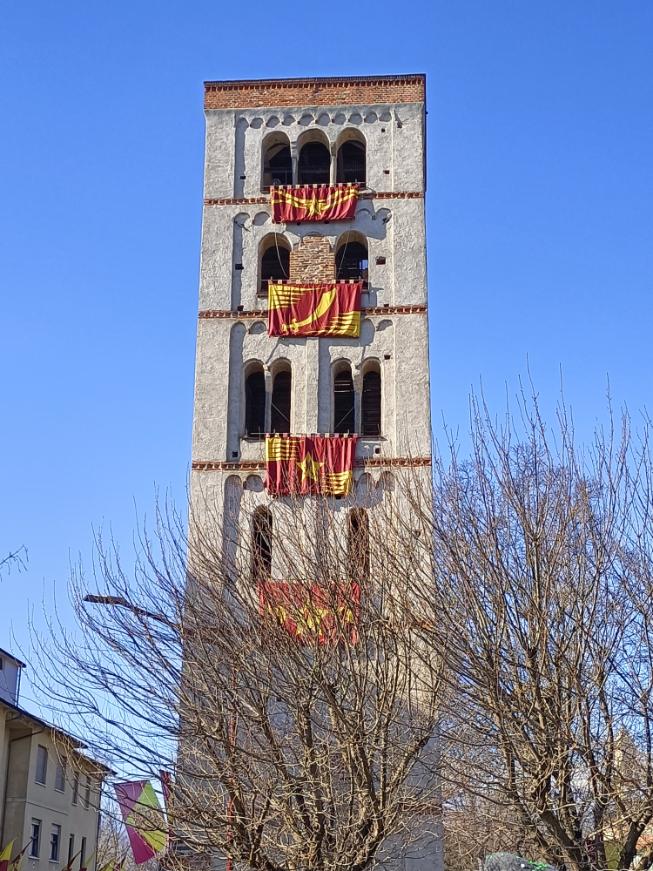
143, 819
5, 856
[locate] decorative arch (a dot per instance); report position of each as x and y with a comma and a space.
276, 161
343, 404
314, 164
233, 489
351, 157
274, 261
352, 257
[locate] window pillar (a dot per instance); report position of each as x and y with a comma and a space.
268, 398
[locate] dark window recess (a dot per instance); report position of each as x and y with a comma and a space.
380, 261
371, 405
358, 544
350, 164
277, 166
351, 262
314, 164
261, 545
343, 402
255, 405
275, 264
281, 393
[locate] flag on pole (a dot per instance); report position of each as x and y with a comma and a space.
166, 785
5, 856
332, 309
17, 861
143, 819
88, 863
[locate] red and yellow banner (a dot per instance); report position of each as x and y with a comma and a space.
311, 613
304, 465
315, 309
314, 202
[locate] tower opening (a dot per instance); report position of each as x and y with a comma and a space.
261, 544
351, 260
350, 162
314, 164
358, 544
281, 402
255, 404
371, 403
277, 161
275, 262
343, 401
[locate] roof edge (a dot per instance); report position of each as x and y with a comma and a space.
313, 80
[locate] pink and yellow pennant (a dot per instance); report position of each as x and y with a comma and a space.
143, 818
5, 856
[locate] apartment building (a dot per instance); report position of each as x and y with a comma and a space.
49, 790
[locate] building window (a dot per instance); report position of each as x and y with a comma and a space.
281, 402
371, 403
277, 162
255, 403
60, 775
55, 841
350, 162
76, 788
87, 793
82, 854
343, 400
314, 164
35, 845
71, 848
274, 262
358, 544
41, 764
351, 259
261, 544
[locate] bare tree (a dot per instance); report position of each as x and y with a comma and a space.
543, 604
299, 714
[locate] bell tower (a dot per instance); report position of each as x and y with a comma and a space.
312, 371
323, 137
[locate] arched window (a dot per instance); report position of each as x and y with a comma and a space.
255, 403
275, 261
343, 400
261, 544
351, 259
371, 402
314, 164
281, 401
358, 544
350, 162
277, 162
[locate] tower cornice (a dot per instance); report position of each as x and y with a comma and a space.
321, 91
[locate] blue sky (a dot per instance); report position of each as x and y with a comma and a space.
540, 226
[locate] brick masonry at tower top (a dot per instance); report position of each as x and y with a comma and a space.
345, 91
